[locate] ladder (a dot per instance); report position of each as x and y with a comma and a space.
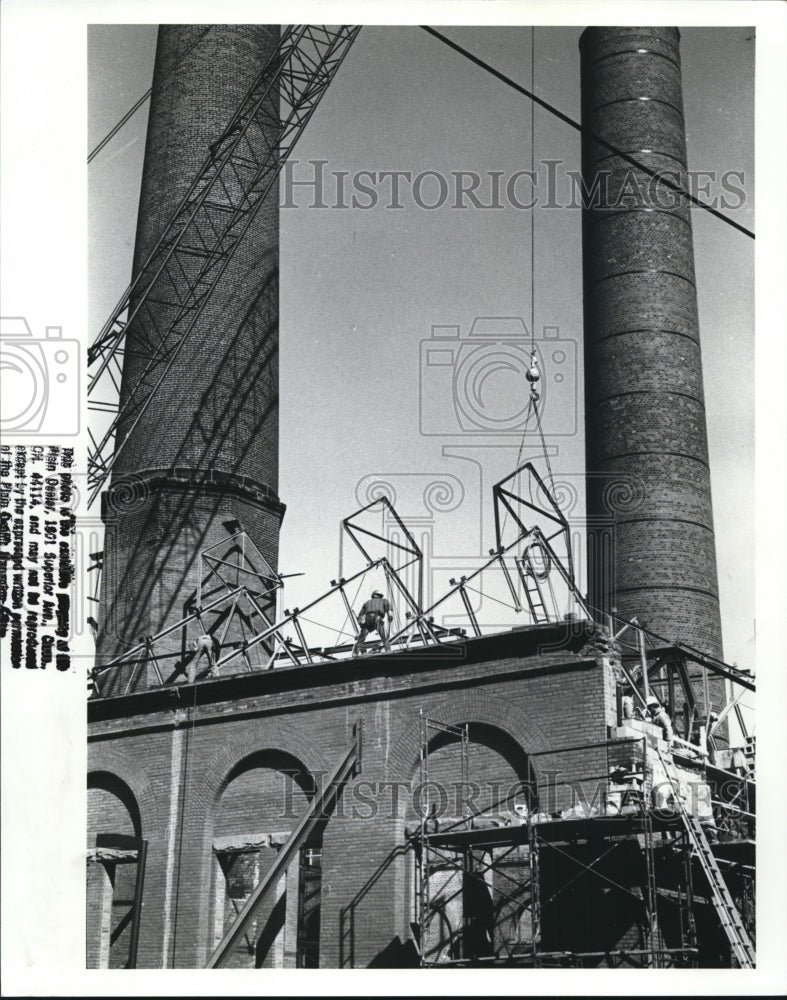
749, 752
535, 598
740, 942
654, 931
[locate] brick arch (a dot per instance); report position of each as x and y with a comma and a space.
275, 738
109, 760
106, 781
517, 724
227, 764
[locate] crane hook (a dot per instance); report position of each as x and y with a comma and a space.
533, 375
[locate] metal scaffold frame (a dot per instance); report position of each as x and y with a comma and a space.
529, 557
663, 669
273, 635
671, 851
247, 599
607, 832
458, 844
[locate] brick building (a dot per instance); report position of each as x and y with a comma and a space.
464, 799
210, 773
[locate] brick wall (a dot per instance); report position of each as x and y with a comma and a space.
645, 414
207, 768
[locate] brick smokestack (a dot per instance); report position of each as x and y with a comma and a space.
204, 457
651, 542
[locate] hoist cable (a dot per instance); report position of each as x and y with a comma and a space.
544, 447
530, 407
532, 212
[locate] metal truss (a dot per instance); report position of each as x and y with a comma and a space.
161, 306
530, 558
505, 500
235, 601
247, 588
401, 555
232, 560
397, 558
664, 670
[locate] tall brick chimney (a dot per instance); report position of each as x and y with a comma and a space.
651, 541
204, 457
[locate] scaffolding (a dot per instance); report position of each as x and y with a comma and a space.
608, 880
235, 600
477, 854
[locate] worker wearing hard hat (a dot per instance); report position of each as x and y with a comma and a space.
372, 618
658, 715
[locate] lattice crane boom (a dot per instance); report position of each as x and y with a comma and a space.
168, 294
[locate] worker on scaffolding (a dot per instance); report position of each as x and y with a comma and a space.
204, 645
658, 715
372, 618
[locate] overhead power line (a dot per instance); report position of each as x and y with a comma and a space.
566, 119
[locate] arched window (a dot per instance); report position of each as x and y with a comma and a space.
116, 856
471, 894
265, 796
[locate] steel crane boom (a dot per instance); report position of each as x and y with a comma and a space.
161, 306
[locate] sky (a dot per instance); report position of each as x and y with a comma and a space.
362, 287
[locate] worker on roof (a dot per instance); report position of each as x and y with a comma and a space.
204, 645
372, 618
658, 715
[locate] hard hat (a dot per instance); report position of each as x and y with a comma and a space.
376, 593
652, 701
